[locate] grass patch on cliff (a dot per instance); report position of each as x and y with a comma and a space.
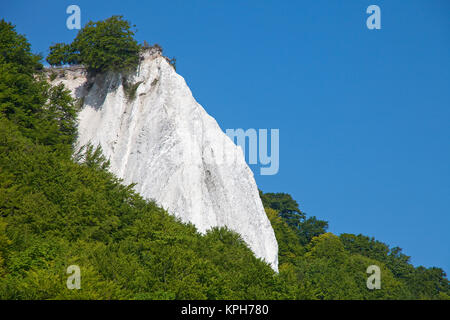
130, 88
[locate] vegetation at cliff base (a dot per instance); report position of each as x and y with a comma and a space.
59, 208
334, 267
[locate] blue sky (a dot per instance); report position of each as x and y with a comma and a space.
363, 114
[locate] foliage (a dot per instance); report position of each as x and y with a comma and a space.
43, 113
423, 283
332, 267
61, 54
15, 47
287, 208
60, 208
100, 46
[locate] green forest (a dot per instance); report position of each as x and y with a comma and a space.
60, 208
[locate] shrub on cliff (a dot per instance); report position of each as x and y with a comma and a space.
61, 54
100, 46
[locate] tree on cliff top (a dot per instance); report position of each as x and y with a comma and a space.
100, 46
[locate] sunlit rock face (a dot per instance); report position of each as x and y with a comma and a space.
160, 138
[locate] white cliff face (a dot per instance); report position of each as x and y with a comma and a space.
164, 141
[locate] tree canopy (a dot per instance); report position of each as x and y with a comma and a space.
43, 113
288, 210
100, 46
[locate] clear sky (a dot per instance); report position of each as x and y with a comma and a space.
364, 115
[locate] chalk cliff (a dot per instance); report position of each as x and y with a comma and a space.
156, 135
